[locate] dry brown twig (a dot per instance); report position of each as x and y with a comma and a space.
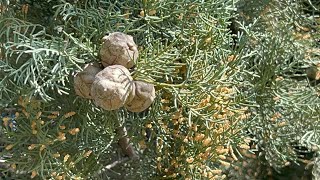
124, 143
126, 148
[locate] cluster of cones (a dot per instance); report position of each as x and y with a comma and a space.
109, 83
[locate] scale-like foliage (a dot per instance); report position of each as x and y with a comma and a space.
229, 76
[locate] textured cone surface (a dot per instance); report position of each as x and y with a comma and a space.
112, 87
118, 49
313, 73
144, 96
84, 79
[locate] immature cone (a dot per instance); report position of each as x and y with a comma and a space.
313, 72
144, 96
112, 87
84, 79
118, 48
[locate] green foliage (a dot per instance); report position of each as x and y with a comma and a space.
287, 114
224, 72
